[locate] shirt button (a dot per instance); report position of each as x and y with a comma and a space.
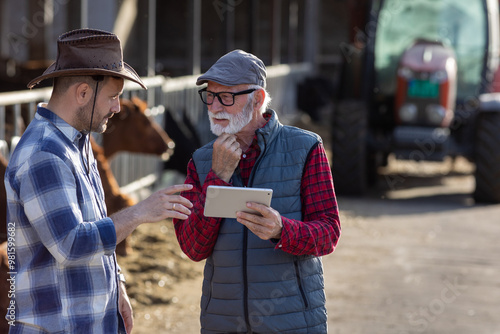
280, 245
244, 156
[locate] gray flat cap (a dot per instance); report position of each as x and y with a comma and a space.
235, 68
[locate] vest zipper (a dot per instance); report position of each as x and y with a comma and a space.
257, 163
245, 280
245, 244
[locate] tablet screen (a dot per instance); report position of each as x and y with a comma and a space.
224, 202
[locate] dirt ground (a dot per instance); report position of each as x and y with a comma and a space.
162, 282
416, 255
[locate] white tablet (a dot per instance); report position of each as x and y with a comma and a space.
224, 202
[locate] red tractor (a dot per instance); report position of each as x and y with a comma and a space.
417, 84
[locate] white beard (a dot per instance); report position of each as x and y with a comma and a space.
236, 122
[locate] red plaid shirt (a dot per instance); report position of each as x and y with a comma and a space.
317, 235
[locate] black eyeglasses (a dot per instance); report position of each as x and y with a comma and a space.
225, 98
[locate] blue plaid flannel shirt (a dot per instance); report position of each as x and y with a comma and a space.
65, 268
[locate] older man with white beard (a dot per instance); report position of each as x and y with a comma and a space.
236, 121
263, 272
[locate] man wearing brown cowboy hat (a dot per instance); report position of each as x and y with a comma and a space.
66, 275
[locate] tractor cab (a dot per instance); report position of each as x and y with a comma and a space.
426, 67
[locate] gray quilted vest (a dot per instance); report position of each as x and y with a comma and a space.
249, 286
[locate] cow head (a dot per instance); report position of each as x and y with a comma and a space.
133, 131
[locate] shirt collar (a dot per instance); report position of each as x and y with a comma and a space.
254, 144
267, 117
70, 132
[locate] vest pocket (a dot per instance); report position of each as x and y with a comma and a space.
300, 285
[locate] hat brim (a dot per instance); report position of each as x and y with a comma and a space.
224, 81
205, 79
127, 72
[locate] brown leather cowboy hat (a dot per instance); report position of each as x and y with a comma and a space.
88, 52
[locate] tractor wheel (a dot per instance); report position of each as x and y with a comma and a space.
349, 151
487, 158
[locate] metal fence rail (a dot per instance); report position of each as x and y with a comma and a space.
178, 95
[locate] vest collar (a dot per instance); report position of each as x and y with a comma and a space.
270, 131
